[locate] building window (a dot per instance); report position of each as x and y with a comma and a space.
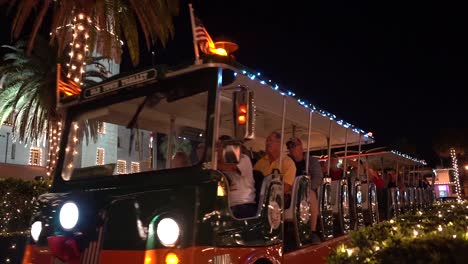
118, 142
135, 167
35, 156
101, 128
13, 151
100, 156
121, 167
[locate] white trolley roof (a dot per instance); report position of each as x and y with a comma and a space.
269, 109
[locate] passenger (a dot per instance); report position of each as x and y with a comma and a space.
180, 159
392, 178
241, 182
199, 151
270, 161
336, 173
401, 185
353, 172
324, 165
296, 151
376, 178
425, 183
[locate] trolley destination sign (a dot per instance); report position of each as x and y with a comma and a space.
138, 78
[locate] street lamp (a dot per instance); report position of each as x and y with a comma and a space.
6, 149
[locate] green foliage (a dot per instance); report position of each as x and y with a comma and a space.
437, 235
113, 22
178, 145
17, 202
27, 88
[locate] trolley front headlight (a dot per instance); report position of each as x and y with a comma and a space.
168, 231
36, 229
68, 215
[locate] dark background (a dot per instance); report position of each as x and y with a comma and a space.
395, 68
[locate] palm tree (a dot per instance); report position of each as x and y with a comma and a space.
110, 23
447, 138
27, 88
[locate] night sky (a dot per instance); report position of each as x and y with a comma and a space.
396, 68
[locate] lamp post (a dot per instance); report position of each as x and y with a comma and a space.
6, 148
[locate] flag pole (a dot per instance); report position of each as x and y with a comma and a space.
57, 90
195, 44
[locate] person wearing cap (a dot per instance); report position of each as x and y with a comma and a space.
270, 161
241, 182
296, 152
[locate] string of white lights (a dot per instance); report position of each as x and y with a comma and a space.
453, 155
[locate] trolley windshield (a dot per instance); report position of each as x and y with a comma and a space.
161, 130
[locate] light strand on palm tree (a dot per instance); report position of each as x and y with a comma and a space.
70, 158
453, 155
56, 132
79, 48
155, 19
100, 30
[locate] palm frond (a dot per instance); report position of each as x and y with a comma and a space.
37, 24
25, 8
113, 22
27, 89
130, 32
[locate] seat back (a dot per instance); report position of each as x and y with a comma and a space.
258, 178
290, 208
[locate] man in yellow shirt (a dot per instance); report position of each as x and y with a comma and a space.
271, 161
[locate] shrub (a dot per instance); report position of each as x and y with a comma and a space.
17, 202
436, 235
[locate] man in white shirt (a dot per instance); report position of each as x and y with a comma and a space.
241, 183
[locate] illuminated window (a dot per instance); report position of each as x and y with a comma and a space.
35, 156
100, 156
443, 190
101, 128
121, 166
135, 167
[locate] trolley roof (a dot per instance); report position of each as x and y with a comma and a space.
268, 100
384, 157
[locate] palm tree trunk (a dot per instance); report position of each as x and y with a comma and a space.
55, 131
79, 47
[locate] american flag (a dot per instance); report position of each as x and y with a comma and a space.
66, 86
202, 37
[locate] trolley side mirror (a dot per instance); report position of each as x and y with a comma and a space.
244, 114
